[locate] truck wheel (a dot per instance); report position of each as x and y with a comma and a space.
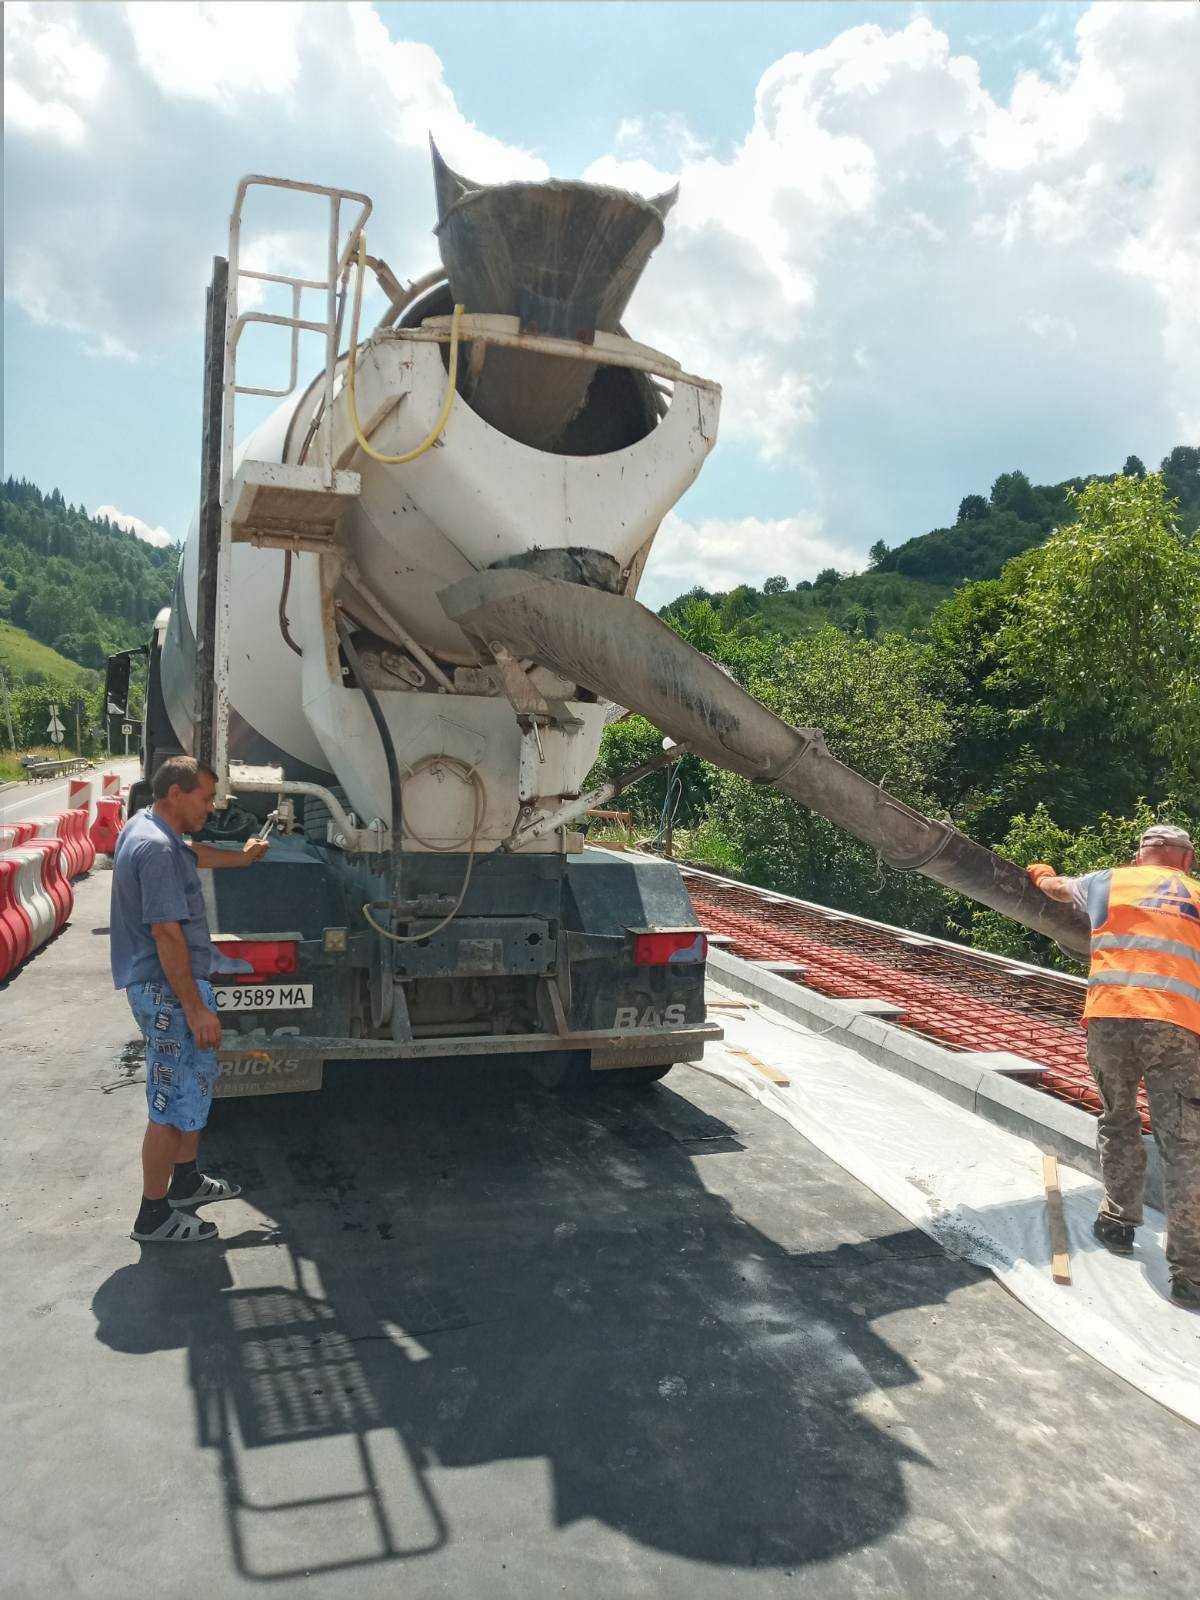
140, 796
633, 1077
572, 1074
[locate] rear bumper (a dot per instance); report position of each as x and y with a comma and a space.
615, 1047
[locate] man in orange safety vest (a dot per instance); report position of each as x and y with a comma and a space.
1143, 1022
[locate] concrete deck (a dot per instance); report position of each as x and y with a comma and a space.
466, 1338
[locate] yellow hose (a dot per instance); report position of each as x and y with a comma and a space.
431, 438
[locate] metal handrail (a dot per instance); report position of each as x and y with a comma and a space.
338, 262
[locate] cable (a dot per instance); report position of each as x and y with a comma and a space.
469, 775
283, 594
389, 749
396, 783
431, 438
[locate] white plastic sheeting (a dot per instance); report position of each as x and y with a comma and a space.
978, 1191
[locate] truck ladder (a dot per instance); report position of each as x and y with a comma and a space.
287, 506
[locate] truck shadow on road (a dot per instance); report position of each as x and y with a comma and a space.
613, 1303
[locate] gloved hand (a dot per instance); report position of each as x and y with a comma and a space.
1037, 871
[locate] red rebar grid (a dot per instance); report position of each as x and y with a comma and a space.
960, 1001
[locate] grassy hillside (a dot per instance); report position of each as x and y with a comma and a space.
21, 654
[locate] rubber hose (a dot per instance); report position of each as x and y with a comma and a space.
389, 752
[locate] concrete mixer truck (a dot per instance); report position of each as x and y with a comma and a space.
405, 614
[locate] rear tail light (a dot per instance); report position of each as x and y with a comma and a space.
669, 947
268, 958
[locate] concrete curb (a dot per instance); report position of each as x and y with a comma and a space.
969, 1079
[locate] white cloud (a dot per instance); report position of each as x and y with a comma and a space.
720, 553
52, 74
897, 277
217, 51
904, 284
135, 525
134, 124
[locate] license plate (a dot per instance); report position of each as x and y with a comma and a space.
264, 997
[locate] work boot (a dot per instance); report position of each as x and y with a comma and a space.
1113, 1235
1185, 1291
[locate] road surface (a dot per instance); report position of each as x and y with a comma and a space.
44, 798
465, 1338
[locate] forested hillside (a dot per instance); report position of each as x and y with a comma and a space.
904, 584
1049, 707
77, 583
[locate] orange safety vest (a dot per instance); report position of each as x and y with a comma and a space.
1146, 952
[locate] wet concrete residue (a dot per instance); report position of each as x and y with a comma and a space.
132, 1058
130, 1065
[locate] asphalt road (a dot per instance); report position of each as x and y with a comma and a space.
465, 1338
49, 795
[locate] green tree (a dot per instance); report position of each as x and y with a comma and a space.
777, 585
1108, 842
1134, 467
828, 679
877, 554
1108, 623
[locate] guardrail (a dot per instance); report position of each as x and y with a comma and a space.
37, 768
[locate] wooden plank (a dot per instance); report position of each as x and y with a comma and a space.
1060, 1259
765, 1067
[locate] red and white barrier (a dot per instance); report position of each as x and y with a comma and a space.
15, 927
110, 785
32, 897
74, 829
83, 834
56, 877
38, 859
80, 792
108, 824
71, 828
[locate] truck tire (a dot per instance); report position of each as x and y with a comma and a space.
572, 1074
316, 814
634, 1077
140, 796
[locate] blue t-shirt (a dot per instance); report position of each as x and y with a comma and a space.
155, 879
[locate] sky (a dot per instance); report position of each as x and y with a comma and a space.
918, 245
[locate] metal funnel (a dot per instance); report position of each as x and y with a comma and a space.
562, 257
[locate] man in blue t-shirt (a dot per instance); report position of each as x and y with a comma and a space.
162, 956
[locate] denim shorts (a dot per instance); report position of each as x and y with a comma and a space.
179, 1078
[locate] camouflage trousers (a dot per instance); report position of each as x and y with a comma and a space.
1121, 1052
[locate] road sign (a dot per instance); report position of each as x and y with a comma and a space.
55, 728
127, 728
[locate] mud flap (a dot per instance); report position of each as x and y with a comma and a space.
250, 1072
